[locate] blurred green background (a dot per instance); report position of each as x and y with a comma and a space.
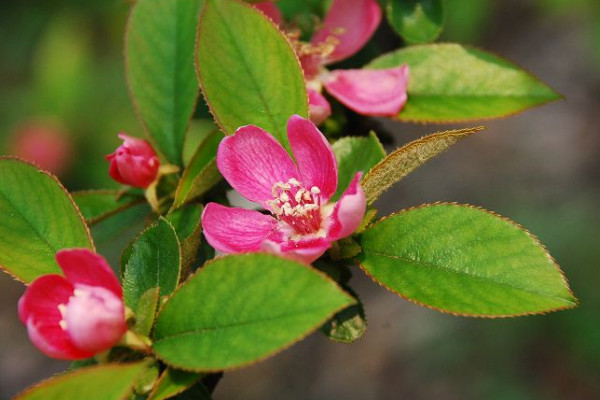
62, 88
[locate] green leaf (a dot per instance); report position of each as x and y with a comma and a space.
241, 309
95, 205
103, 382
115, 232
201, 174
153, 261
173, 382
188, 225
417, 21
159, 51
248, 78
146, 311
39, 218
355, 154
463, 260
407, 158
348, 325
455, 83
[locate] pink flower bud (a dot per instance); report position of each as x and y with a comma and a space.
78, 315
134, 163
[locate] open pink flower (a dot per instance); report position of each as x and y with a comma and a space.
78, 315
347, 27
303, 222
134, 163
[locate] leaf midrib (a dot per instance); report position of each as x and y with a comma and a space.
247, 323
246, 66
476, 277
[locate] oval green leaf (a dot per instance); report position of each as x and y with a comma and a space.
417, 21
407, 158
39, 218
241, 309
95, 205
152, 261
248, 71
455, 83
159, 51
355, 154
463, 260
103, 382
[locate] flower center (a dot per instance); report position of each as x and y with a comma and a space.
297, 206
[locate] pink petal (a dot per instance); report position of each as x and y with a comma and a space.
304, 251
252, 161
53, 341
314, 156
236, 230
95, 318
42, 297
320, 109
270, 10
83, 266
377, 92
352, 22
349, 211
139, 147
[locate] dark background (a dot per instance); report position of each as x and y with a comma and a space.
61, 69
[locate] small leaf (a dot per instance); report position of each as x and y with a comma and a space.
355, 154
197, 392
348, 325
455, 83
153, 261
103, 382
147, 379
146, 311
201, 173
344, 248
248, 78
241, 309
463, 260
407, 158
188, 225
39, 218
159, 51
96, 205
173, 382
417, 21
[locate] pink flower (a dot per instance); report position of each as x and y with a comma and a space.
348, 26
303, 222
78, 315
270, 10
134, 163
44, 144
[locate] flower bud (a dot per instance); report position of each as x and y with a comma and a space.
134, 163
78, 315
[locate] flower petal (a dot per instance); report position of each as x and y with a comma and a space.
349, 211
380, 92
352, 22
53, 341
252, 161
42, 297
314, 156
82, 266
95, 318
320, 109
236, 230
304, 251
270, 10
